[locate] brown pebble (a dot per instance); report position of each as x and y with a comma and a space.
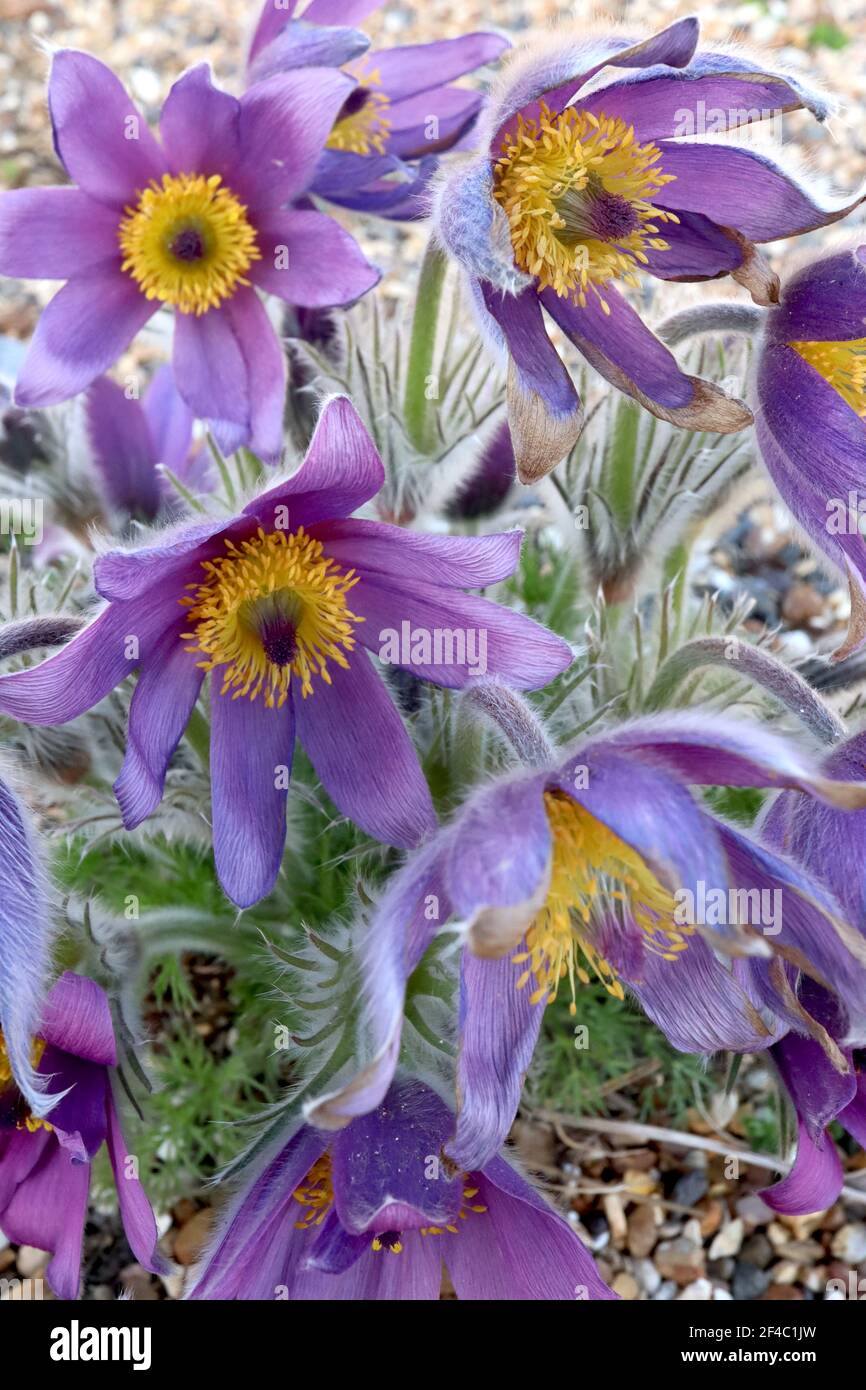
642, 1231
190, 1239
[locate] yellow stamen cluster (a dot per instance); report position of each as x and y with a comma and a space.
188, 242
28, 1121
468, 1193
368, 127
288, 573
315, 1194
592, 871
843, 366
574, 159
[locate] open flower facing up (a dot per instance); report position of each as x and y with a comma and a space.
45, 1166
196, 223
606, 864
129, 439
810, 414
402, 111
825, 1082
581, 185
280, 603
375, 1212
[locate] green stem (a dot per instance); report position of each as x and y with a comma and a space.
198, 736
418, 407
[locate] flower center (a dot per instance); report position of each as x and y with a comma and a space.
271, 608
13, 1111
315, 1194
843, 366
362, 125
188, 243
578, 191
592, 871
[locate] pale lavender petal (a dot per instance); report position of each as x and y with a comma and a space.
211, 374
409, 69
308, 259
412, 131
824, 300
251, 763
32, 248
284, 124
48, 1210
84, 329
101, 137
415, 1275
170, 421
363, 755
265, 371
500, 847
339, 11
302, 45
275, 15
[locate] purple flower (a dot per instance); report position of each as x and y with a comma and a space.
372, 1213
45, 1168
197, 222
810, 414
581, 186
403, 109
605, 864
130, 439
281, 602
824, 1072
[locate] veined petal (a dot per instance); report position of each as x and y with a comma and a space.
200, 125
310, 260
455, 561
123, 449
30, 246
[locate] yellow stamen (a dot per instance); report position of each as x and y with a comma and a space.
468, 1193
843, 366
28, 1120
592, 870
365, 126
578, 191
187, 242
315, 1194
272, 608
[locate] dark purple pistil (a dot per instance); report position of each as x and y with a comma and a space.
354, 103
280, 640
188, 245
593, 212
388, 1239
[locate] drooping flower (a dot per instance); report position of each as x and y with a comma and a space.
810, 414
380, 154
196, 222
825, 1072
583, 184
129, 439
282, 603
605, 864
45, 1166
374, 1211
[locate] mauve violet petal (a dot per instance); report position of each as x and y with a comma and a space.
76, 1019
519, 1248
339, 11
200, 126
340, 472
92, 664
123, 449
814, 1182
275, 15
101, 138
240, 1261
20, 1152
413, 133
386, 1169
362, 754
717, 91
697, 250
819, 1091
744, 189
123, 575
498, 1031
85, 328
30, 247
265, 371
308, 259
408, 69
211, 374
415, 1275
499, 848
136, 1212
332, 1250
163, 700
251, 762
853, 1117
48, 1210
78, 1119
373, 547
826, 300
284, 124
